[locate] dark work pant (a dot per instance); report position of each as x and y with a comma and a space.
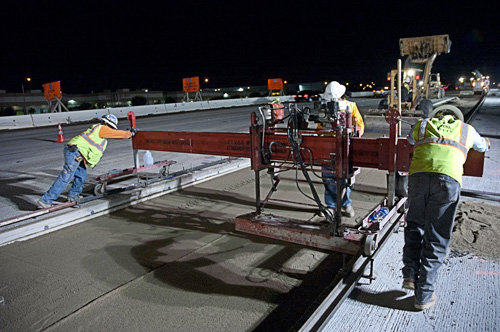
433, 200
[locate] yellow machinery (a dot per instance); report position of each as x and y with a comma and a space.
420, 54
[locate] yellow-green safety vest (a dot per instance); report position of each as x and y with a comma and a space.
90, 145
441, 146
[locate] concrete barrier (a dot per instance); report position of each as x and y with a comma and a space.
50, 119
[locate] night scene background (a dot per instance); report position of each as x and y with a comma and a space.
106, 45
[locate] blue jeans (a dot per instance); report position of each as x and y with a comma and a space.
331, 189
72, 170
433, 199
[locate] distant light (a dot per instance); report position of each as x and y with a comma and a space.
411, 72
206, 79
240, 89
225, 95
286, 82
71, 101
28, 79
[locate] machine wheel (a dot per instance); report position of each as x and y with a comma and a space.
370, 245
445, 110
99, 189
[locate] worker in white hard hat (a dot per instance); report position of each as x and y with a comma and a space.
81, 151
335, 91
434, 183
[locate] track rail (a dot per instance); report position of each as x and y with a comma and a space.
319, 314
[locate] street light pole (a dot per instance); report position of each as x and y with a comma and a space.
24, 98
24, 95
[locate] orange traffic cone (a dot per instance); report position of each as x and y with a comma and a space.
60, 136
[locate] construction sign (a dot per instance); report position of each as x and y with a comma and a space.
52, 90
191, 84
275, 84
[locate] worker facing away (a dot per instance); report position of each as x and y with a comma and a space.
335, 91
435, 179
81, 151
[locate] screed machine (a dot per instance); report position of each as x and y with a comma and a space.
279, 139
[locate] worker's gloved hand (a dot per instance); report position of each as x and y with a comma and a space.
133, 131
488, 142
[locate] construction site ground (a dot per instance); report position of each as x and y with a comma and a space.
176, 263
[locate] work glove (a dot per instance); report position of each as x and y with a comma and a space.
488, 142
133, 131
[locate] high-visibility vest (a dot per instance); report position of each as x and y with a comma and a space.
441, 146
90, 145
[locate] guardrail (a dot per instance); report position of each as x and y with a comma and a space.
50, 119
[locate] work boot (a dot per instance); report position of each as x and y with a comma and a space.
42, 205
348, 211
426, 305
409, 283
74, 200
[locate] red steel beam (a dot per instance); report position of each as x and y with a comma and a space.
364, 152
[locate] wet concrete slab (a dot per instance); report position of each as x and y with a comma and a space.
173, 263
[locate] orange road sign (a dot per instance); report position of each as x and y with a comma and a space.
275, 84
52, 90
191, 84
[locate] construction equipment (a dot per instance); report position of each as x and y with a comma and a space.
294, 146
480, 83
420, 54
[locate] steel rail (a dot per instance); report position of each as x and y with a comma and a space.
342, 287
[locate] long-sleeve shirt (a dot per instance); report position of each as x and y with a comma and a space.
107, 132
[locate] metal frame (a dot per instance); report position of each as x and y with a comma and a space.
269, 147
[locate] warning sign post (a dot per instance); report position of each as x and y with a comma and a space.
275, 84
51, 92
191, 85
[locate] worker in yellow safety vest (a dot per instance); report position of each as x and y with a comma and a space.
435, 179
335, 91
81, 151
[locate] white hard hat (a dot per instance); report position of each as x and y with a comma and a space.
110, 120
334, 90
407, 80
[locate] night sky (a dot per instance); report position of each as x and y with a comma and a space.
107, 45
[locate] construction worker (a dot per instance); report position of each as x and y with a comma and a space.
406, 92
81, 151
435, 178
335, 91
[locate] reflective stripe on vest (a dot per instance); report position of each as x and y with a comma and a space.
461, 145
86, 137
90, 145
441, 146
